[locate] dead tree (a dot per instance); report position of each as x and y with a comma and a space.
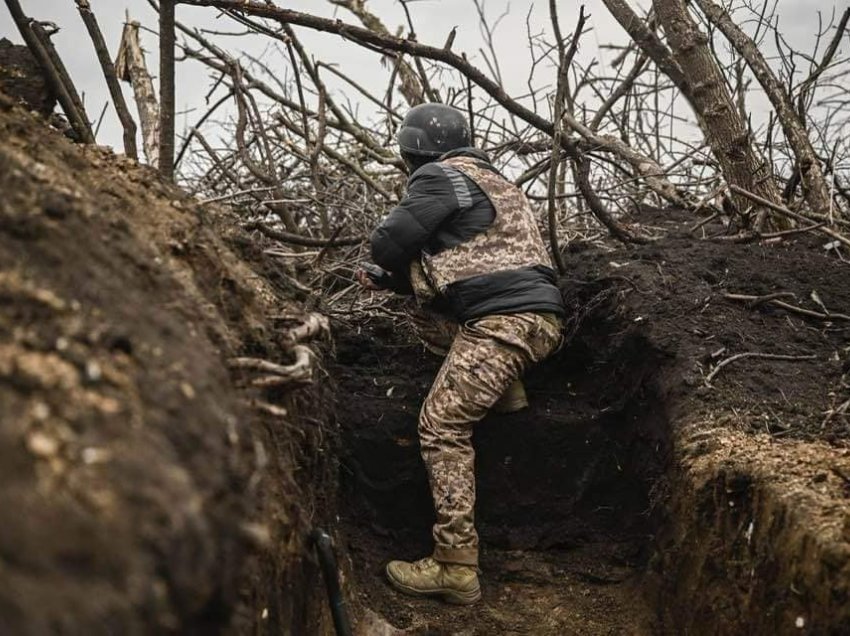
108, 68
815, 189
300, 164
166, 89
131, 67
644, 166
725, 131
38, 41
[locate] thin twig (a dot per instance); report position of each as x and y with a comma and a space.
773, 299
306, 241
753, 354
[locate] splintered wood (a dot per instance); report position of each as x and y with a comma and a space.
131, 67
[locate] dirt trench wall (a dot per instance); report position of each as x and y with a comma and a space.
578, 463
755, 532
139, 490
757, 541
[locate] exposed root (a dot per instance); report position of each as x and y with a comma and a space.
773, 299
299, 372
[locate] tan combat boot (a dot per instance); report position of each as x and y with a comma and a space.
453, 583
514, 399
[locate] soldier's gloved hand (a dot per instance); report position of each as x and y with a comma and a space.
372, 277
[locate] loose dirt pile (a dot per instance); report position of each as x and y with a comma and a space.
136, 480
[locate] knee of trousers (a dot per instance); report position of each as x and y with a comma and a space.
441, 423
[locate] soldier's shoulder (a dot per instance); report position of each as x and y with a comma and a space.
430, 172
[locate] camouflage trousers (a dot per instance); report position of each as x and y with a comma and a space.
483, 357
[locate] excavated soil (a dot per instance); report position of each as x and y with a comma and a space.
140, 492
632, 497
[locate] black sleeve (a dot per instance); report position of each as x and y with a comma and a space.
400, 237
399, 284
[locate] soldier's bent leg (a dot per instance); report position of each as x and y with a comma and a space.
486, 356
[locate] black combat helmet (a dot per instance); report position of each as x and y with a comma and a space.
430, 130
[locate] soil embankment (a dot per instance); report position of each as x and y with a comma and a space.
140, 481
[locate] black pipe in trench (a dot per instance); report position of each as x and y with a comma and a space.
330, 572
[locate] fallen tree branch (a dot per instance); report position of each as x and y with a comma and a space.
773, 299
597, 207
755, 301
648, 169
753, 354
754, 235
794, 215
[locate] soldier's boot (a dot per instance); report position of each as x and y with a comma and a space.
513, 399
453, 583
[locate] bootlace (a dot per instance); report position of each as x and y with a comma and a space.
422, 564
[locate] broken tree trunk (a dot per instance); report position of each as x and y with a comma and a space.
725, 131
130, 67
58, 67
84, 7
166, 89
815, 189
648, 41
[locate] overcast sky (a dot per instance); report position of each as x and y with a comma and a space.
433, 20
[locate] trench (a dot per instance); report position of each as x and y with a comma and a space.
567, 489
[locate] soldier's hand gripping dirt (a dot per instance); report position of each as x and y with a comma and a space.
465, 243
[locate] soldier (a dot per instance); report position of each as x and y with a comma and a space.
465, 242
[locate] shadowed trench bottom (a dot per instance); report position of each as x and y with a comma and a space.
565, 490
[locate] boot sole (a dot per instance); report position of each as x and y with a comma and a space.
454, 597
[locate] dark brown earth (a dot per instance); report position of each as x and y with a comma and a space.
139, 492
631, 497
21, 79
564, 510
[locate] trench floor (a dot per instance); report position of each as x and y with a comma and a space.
591, 588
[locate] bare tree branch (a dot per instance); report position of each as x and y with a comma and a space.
127, 122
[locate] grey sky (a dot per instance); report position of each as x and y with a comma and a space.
433, 19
